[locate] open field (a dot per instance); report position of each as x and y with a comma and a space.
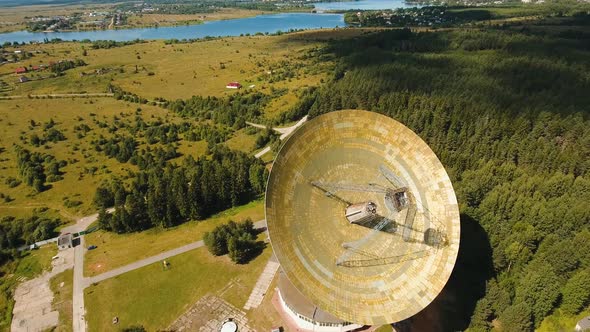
86, 168
268, 62
62, 287
115, 250
241, 141
154, 297
154, 69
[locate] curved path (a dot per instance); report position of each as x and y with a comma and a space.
284, 131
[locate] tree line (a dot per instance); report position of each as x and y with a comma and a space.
168, 195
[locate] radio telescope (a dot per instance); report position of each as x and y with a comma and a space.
363, 219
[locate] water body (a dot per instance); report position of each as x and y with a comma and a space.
363, 5
262, 23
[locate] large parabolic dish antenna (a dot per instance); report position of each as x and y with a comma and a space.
362, 217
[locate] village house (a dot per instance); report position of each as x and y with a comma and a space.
233, 85
20, 70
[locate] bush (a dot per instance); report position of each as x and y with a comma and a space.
236, 239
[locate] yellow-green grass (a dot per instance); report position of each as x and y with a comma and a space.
77, 185
179, 71
185, 148
154, 297
115, 250
560, 321
268, 157
241, 141
36, 261
62, 299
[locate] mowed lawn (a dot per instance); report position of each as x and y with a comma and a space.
115, 250
154, 297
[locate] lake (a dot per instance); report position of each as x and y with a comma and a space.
363, 5
262, 23
234, 27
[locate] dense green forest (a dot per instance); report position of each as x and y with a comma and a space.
506, 110
168, 195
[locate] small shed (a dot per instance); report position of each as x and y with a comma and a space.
233, 85
65, 241
23, 79
583, 324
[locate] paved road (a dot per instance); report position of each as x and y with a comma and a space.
262, 152
80, 282
153, 259
83, 223
79, 321
284, 131
141, 263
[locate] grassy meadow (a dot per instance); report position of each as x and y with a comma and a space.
86, 168
176, 71
154, 297
115, 250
